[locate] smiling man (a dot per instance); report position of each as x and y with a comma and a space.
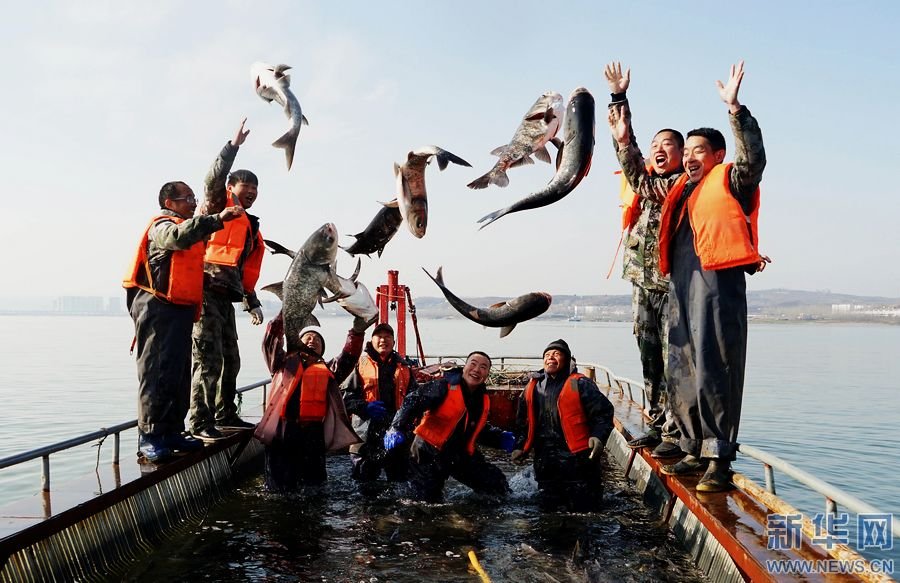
565, 419
708, 243
232, 264
648, 181
454, 412
372, 395
164, 287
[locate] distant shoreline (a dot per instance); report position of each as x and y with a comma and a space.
753, 318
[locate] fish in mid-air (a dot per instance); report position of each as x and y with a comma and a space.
380, 230
538, 127
504, 315
411, 194
573, 160
272, 84
312, 270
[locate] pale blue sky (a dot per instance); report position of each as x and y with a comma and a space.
105, 101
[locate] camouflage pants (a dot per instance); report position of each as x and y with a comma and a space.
162, 333
651, 310
217, 362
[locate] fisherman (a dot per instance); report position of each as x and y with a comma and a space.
164, 291
566, 420
305, 417
646, 185
708, 242
372, 395
232, 264
454, 412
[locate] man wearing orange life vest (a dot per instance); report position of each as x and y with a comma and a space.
164, 290
647, 182
454, 412
708, 242
305, 416
372, 395
232, 264
565, 419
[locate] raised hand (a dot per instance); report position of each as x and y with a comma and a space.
241, 134
618, 83
729, 91
617, 116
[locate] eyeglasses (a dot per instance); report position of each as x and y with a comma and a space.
189, 199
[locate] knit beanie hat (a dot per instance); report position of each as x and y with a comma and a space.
561, 346
318, 332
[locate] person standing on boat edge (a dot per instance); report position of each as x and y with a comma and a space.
232, 264
454, 412
565, 419
372, 395
164, 291
648, 183
708, 243
305, 416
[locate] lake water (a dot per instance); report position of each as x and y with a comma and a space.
821, 396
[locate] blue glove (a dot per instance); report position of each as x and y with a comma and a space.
507, 441
393, 438
375, 410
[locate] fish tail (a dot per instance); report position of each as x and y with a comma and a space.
444, 157
495, 176
288, 142
492, 217
440, 276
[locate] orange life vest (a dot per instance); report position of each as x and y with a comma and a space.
368, 370
185, 285
631, 203
313, 381
571, 415
226, 247
438, 425
723, 235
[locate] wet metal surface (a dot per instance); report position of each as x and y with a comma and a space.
340, 533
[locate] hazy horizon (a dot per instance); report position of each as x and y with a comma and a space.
107, 101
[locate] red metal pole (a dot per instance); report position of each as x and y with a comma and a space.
401, 320
382, 301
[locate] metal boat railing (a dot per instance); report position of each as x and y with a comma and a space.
833, 495
101, 434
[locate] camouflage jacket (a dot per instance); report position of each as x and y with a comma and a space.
166, 236
640, 259
224, 279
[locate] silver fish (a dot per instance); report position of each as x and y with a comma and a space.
573, 163
310, 273
360, 302
411, 194
378, 232
538, 127
504, 315
271, 83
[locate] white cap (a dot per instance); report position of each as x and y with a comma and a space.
315, 330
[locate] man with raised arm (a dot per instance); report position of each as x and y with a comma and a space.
232, 264
647, 183
164, 291
708, 243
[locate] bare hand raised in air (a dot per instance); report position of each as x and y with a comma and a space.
729, 91
618, 83
241, 134
617, 116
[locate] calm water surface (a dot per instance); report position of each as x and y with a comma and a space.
825, 397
